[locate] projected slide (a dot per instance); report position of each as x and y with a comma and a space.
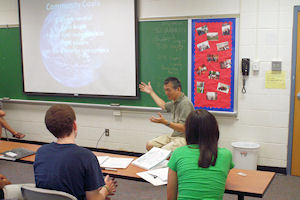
79, 47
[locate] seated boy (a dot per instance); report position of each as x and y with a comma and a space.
64, 166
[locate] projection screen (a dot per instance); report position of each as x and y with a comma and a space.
79, 47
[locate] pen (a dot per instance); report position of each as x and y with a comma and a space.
154, 176
110, 169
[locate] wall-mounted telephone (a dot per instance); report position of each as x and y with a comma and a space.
245, 72
245, 66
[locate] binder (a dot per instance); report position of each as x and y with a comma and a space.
16, 153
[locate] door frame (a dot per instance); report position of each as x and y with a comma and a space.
292, 94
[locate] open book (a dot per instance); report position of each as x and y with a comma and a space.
114, 162
152, 158
15, 154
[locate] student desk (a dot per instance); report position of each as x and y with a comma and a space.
254, 184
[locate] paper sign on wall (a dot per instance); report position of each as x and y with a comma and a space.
275, 80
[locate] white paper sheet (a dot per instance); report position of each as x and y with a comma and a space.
102, 159
161, 173
117, 163
7, 158
156, 179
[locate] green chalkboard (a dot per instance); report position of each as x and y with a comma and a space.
162, 53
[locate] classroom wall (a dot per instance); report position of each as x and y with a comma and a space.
263, 114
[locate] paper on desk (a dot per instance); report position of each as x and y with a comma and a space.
102, 159
161, 173
7, 158
113, 162
155, 177
11, 154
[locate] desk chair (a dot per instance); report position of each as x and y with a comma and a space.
33, 193
13, 191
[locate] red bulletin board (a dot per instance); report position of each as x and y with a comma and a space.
213, 64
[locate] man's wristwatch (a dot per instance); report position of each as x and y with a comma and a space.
168, 123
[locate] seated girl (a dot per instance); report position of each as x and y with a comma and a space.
199, 170
5, 125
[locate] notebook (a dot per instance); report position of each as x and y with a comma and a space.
15, 154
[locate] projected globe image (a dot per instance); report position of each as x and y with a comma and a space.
72, 47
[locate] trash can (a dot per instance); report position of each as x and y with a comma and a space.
245, 155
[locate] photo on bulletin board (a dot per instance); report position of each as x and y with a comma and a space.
213, 64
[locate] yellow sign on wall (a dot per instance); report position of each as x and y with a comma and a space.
275, 80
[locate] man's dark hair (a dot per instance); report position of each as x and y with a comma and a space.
59, 120
175, 82
201, 128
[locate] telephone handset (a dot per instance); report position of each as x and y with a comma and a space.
245, 72
245, 66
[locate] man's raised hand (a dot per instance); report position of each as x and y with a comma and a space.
147, 88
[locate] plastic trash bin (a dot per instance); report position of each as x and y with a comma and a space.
245, 155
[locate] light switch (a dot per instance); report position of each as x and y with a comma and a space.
255, 66
276, 65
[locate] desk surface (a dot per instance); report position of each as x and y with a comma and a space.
129, 172
255, 183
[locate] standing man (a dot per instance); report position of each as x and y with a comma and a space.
64, 166
180, 107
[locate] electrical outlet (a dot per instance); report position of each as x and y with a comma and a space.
106, 132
